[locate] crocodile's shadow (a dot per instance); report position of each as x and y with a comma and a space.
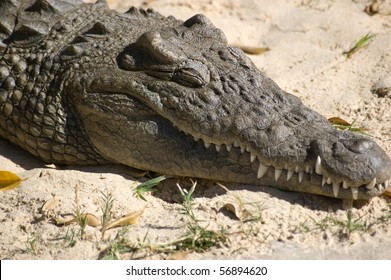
168, 190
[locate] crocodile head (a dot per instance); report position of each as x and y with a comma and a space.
178, 100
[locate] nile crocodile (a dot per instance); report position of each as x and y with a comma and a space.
82, 84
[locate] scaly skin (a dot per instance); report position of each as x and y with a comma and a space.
81, 84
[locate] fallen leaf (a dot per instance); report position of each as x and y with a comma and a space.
68, 219
8, 181
92, 220
253, 50
127, 220
49, 205
387, 192
239, 211
372, 8
65, 220
338, 121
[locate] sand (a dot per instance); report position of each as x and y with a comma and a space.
307, 40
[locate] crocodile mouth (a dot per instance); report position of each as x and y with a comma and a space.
293, 176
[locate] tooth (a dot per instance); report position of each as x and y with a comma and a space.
336, 187
355, 193
207, 145
229, 147
252, 157
277, 173
236, 144
247, 149
289, 175
296, 168
301, 174
323, 180
307, 169
385, 183
328, 180
242, 149
371, 184
218, 148
262, 169
318, 166
196, 139
345, 185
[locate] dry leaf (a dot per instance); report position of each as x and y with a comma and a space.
240, 212
65, 220
92, 220
338, 121
253, 50
127, 220
230, 207
8, 181
68, 219
387, 192
49, 205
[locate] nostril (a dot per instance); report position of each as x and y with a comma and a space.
361, 146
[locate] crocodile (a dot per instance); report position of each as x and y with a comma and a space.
83, 84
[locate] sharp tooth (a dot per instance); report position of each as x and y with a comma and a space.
277, 173
207, 145
289, 175
242, 149
385, 184
248, 149
218, 148
318, 166
296, 168
345, 185
307, 169
324, 181
328, 180
229, 147
354, 193
262, 169
301, 174
196, 139
236, 144
371, 184
253, 157
336, 187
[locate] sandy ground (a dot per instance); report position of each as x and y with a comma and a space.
306, 40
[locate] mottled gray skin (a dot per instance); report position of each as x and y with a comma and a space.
81, 84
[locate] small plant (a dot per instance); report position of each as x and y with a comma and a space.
80, 218
302, 227
148, 187
324, 223
70, 238
387, 216
198, 238
119, 246
32, 243
106, 206
362, 43
350, 225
